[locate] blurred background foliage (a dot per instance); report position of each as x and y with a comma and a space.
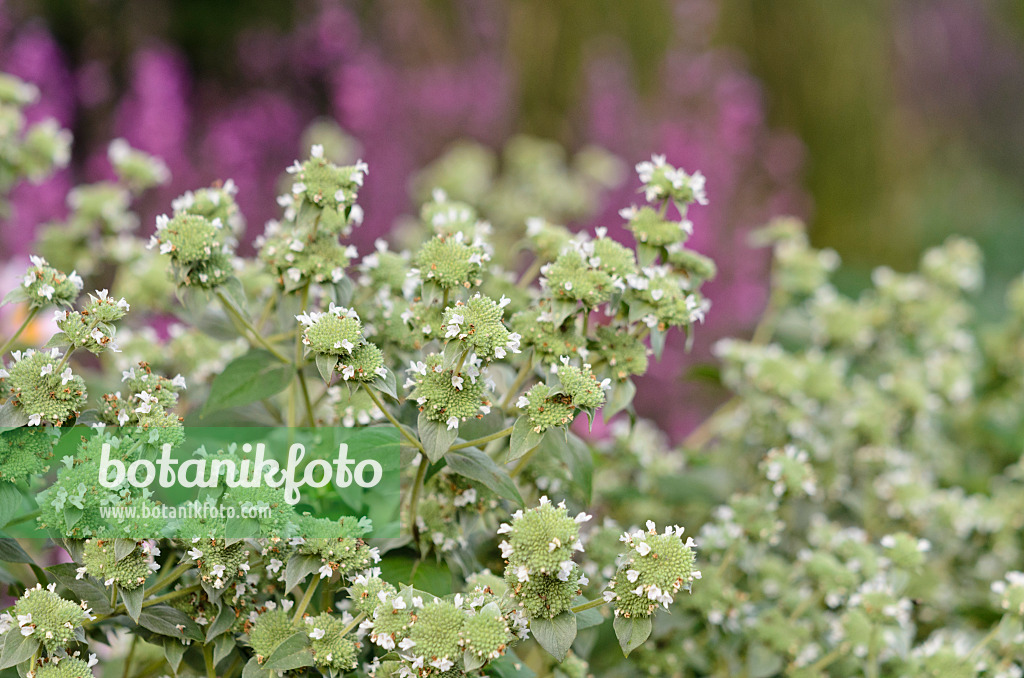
888, 125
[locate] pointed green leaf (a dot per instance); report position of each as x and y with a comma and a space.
619, 397
166, 620
248, 378
326, 364
631, 632
523, 438
476, 465
133, 601
292, 653
435, 436
299, 567
17, 649
123, 548
555, 635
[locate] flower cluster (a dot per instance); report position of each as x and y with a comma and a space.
47, 618
477, 325
44, 285
653, 570
27, 151
450, 395
42, 387
100, 560
338, 332
542, 577
553, 406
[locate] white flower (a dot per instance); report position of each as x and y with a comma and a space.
195, 554
316, 151
66, 376
407, 644
147, 402
325, 571
317, 634
46, 291
643, 548
80, 572
632, 575
47, 369
35, 419
457, 382
453, 422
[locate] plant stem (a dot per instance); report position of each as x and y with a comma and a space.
354, 623
14, 337
300, 609
171, 576
252, 330
414, 499
380, 406
128, 659
524, 374
480, 441
597, 602
172, 595
529, 274
211, 671
458, 368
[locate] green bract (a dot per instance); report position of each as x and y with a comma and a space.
652, 571
450, 261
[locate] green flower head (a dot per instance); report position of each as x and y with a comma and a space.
44, 285
572, 277
653, 569
541, 541
477, 324
44, 390
135, 168
130, 572
446, 396
449, 261
580, 384
364, 364
651, 228
624, 354
215, 202
48, 618
448, 217
486, 635
433, 638
330, 648
67, 667
546, 407
366, 589
269, 630
25, 452
190, 239
665, 182
335, 332
330, 188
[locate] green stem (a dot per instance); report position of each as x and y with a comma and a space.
172, 595
354, 623
530, 273
444, 300
171, 577
458, 368
598, 602
524, 373
252, 330
300, 609
211, 670
128, 659
401, 429
586, 322
414, 499
14, 337
480, 441
523, 461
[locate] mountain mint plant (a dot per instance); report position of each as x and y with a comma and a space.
852, 510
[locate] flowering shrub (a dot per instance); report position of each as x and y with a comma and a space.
327, 331
853, 510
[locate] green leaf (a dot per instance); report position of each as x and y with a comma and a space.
72, 514
11, 552
476, 465
221, 623
292, 653
555, 635
646, 254
248, 378
587, 618
453, 350
17, 649
59, 340
165, 620
471, 661
222, 647
133, 601
343, 290
510, 666
14, 296
579, 459
523, 438
631, 632
87, 588
123, 548
658, 341
387, 384
174, 650
299, 567
12, 503
619, 398
326, 364
435, 436
12, 417
253, 669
